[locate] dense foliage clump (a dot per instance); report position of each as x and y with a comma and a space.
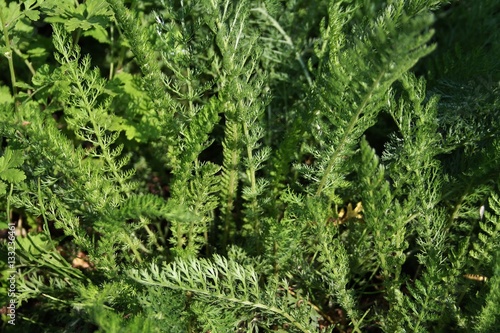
249, 166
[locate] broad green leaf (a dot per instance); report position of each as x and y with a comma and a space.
58, 10
16, 158
75, 23
5, 96
29, 3
37, 52
98, 7
10, 14
122, 125
8, 162
5, 159
33, 15
13, 175
3, 224
24, 85
98, 33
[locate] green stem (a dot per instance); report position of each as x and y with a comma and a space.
8, 55
34, 93
28, 64
112, 46
76, 39
8, 203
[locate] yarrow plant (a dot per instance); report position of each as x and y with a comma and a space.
247, 166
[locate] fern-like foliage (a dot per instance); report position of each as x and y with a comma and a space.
223, 283
485, 251
146, 59
337, 132
486, 246
489, 316
248, 166
386, 223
